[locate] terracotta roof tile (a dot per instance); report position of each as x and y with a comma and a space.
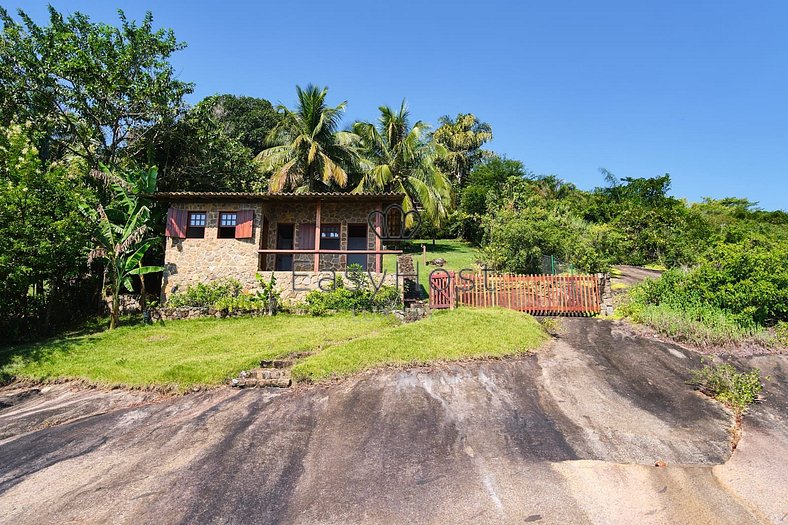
229, 195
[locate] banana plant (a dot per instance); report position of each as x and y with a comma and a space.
121, 236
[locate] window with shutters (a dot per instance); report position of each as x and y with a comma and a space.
195, 228
227, 223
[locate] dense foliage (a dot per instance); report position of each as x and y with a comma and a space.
520, 217
206, 294
732, 295
92, 89
227, 295
358, 295
209, 148
44, 242
747, 279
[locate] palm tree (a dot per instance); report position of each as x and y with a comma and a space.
463, 138
551, 187
398, 158
306, 151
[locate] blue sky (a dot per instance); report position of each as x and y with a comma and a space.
696, 89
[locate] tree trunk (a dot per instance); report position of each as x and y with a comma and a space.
115, 314
143, 294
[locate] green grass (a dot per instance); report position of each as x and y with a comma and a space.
446, 335
179, 355
699, 326
458, 254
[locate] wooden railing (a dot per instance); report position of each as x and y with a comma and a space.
536, 294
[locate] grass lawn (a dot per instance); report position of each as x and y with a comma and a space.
179, 355
444, 336
458, 254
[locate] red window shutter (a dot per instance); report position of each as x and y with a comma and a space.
243, 225
306, 236
176, 223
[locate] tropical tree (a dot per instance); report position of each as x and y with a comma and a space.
122, 231
463, 138
306, 151
399, 157
202, 152
44, 240
249, 120
92, 89
552, 187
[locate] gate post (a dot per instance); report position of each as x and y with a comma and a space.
605, 294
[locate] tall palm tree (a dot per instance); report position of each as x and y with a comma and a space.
398, 157
463, 138
306, 151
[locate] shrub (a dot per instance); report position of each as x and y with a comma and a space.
244, 303
517, 241
730, 296
781, 333
206, 295
729, 386
268, 294
362, 296
225, 295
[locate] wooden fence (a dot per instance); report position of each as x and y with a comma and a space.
535, 294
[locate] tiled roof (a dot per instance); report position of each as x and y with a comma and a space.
230, 195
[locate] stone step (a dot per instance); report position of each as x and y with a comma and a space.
277, 363
262, 377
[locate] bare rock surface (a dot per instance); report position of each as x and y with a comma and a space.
569, 435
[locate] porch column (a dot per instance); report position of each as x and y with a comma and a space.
378, 257
317, 234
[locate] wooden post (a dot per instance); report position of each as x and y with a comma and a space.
378, 257
317, 234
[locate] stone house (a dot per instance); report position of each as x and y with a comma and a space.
301, 238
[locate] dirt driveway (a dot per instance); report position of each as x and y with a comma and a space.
570, 435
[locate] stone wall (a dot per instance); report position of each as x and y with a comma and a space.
191, 261
294, 286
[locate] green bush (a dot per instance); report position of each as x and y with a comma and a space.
225, 295
361, 296
730, 296
729, 386
206, 295
517, 241
781, 333
244, 303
